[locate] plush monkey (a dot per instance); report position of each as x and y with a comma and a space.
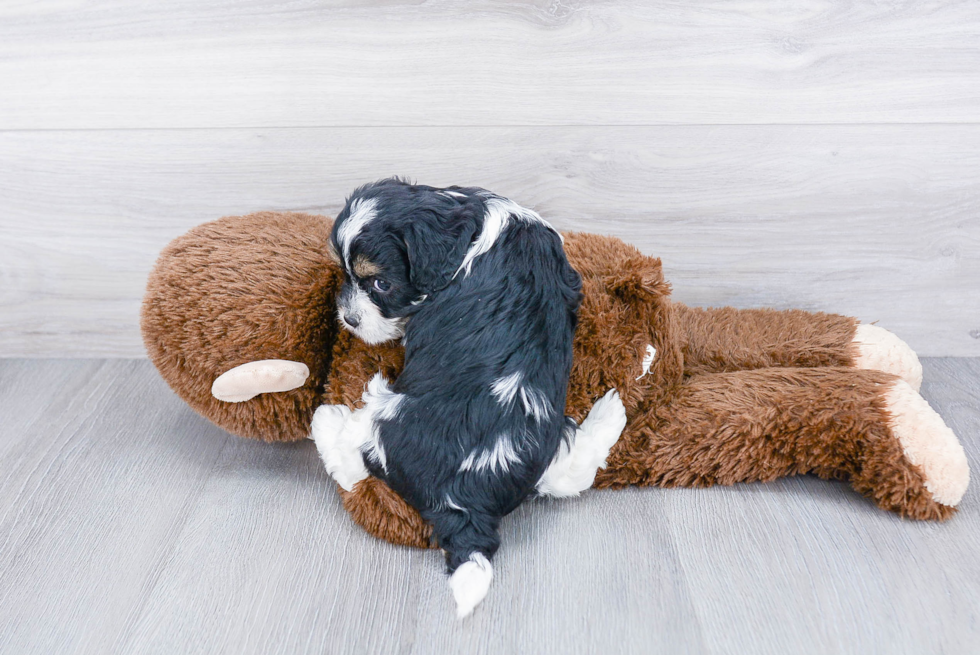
239, 318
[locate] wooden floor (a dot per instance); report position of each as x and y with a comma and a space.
128, 524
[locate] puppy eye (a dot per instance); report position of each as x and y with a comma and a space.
381, 285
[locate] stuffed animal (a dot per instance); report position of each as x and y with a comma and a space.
239, 318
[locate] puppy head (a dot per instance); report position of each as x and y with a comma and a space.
398, 244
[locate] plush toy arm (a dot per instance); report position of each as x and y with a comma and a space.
264, 376
385, 515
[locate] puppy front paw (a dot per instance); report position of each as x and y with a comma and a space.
338, 444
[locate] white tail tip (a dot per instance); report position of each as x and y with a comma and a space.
470, 584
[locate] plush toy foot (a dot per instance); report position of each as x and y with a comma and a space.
574, 467
881, 350
470, 583
339, 439
928, 444
264, 376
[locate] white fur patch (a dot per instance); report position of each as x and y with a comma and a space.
362, 212
451, 504
382, 401
535, 403
380, 404
343, 438
574, 467
505, 389
339, 441
881, 350
470, 584
928, 443
452, 194
373, 327
498, 214
501, 456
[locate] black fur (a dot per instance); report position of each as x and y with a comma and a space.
514, 312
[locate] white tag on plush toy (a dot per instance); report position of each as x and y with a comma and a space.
648, 360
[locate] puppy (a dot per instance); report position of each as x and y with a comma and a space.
484, 300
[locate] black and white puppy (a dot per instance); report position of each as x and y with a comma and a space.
485, 301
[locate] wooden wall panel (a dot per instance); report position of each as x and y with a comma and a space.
876, 221
544, 62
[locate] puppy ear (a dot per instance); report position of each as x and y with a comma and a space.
332, 252
436, 244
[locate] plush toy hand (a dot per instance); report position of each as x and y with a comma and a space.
339, 437
264, 376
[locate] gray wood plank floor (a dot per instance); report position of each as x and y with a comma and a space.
128, 524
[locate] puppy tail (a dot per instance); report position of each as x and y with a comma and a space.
470, 540
470, 583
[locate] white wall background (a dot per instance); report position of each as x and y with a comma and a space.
814, 154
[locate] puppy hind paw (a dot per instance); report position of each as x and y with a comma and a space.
605, 421
470, 583
573, 469
881, 350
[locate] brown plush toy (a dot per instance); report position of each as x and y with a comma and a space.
243, 309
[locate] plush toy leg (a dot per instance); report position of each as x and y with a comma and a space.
865, 426
879, 349
728, 339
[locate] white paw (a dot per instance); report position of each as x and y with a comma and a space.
573, 469
338, 440
606, 420
928, 443
881, 350
470, 584
264, 376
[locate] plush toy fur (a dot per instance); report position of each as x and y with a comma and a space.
730, 395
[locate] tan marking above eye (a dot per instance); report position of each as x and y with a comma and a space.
363, 267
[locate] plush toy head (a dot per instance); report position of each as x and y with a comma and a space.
238, 290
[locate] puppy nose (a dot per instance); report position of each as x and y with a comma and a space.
351, 320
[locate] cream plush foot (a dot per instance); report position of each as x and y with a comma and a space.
339, 439
470, 583
881, 350
264, 376
928, 443
574, 467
